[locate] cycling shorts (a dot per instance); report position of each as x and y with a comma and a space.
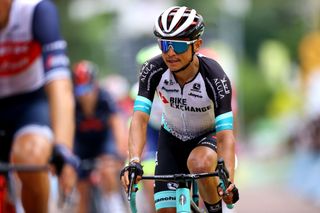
19, 111
172, 156
92, 148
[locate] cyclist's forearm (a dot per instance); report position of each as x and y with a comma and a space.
226, 150
137, 135
120, 133
62, 111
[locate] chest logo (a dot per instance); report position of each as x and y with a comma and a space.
163, 99
196, 86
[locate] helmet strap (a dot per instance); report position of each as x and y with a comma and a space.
187, 65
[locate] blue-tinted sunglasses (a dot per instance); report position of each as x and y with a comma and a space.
81, 90
179, 47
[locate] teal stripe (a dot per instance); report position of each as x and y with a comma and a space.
165, 124
224, 127
224, 122
139, 106
165, 199
224, 115
144, 99
142, 104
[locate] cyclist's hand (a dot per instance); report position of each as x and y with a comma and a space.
61, 155
127, 172
67, 179
231, 195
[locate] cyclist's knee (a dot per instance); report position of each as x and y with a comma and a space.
32, 145
205, 163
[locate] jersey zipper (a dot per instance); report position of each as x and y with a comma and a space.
183, 116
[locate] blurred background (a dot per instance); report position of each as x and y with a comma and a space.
271, 52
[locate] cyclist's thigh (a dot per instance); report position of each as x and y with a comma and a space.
205, 152
171, 159
208, 140
23, 114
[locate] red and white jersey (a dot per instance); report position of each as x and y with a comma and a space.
26, 64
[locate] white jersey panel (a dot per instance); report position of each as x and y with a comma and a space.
21, 67
188, 111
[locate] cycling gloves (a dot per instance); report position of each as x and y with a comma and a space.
62, 155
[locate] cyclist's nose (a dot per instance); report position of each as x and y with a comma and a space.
171, 51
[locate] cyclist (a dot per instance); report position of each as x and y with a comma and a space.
35, 85
197, 115
96, 117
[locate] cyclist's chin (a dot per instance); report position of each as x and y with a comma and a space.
175, 67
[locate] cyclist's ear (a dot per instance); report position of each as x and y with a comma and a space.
197, 45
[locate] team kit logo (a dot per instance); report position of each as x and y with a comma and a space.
222, 87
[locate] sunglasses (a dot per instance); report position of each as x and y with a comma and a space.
178, 47
81, 90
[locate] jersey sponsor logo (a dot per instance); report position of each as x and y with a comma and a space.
195, 95
168, 82
163, 99
181, 103
196, 87
169, 90
165, 199
91, 125
16, 57
222, 87
172, 186
146, 69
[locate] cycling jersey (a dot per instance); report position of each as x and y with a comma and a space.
91, 138
31, 54
202, 105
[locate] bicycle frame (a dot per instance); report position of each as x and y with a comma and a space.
184, 201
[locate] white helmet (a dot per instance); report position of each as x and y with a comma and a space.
179, 22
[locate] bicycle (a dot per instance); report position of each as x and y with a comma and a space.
8, 197
185, 202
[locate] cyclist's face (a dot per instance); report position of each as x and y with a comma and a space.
89, 98
175, 61
4, 12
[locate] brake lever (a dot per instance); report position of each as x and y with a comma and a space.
224, 176
132, 179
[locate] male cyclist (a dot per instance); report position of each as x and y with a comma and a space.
197, 117
96, 117
36, 100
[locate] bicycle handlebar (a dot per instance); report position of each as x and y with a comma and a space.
221, 172
5, 167
180, 177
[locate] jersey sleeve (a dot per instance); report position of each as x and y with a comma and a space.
149, 78
46, 31
221, 93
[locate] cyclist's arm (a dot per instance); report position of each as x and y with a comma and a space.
224, 116
226, 150
150, 75
45, 28
137, 134
61, 110
120, 133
